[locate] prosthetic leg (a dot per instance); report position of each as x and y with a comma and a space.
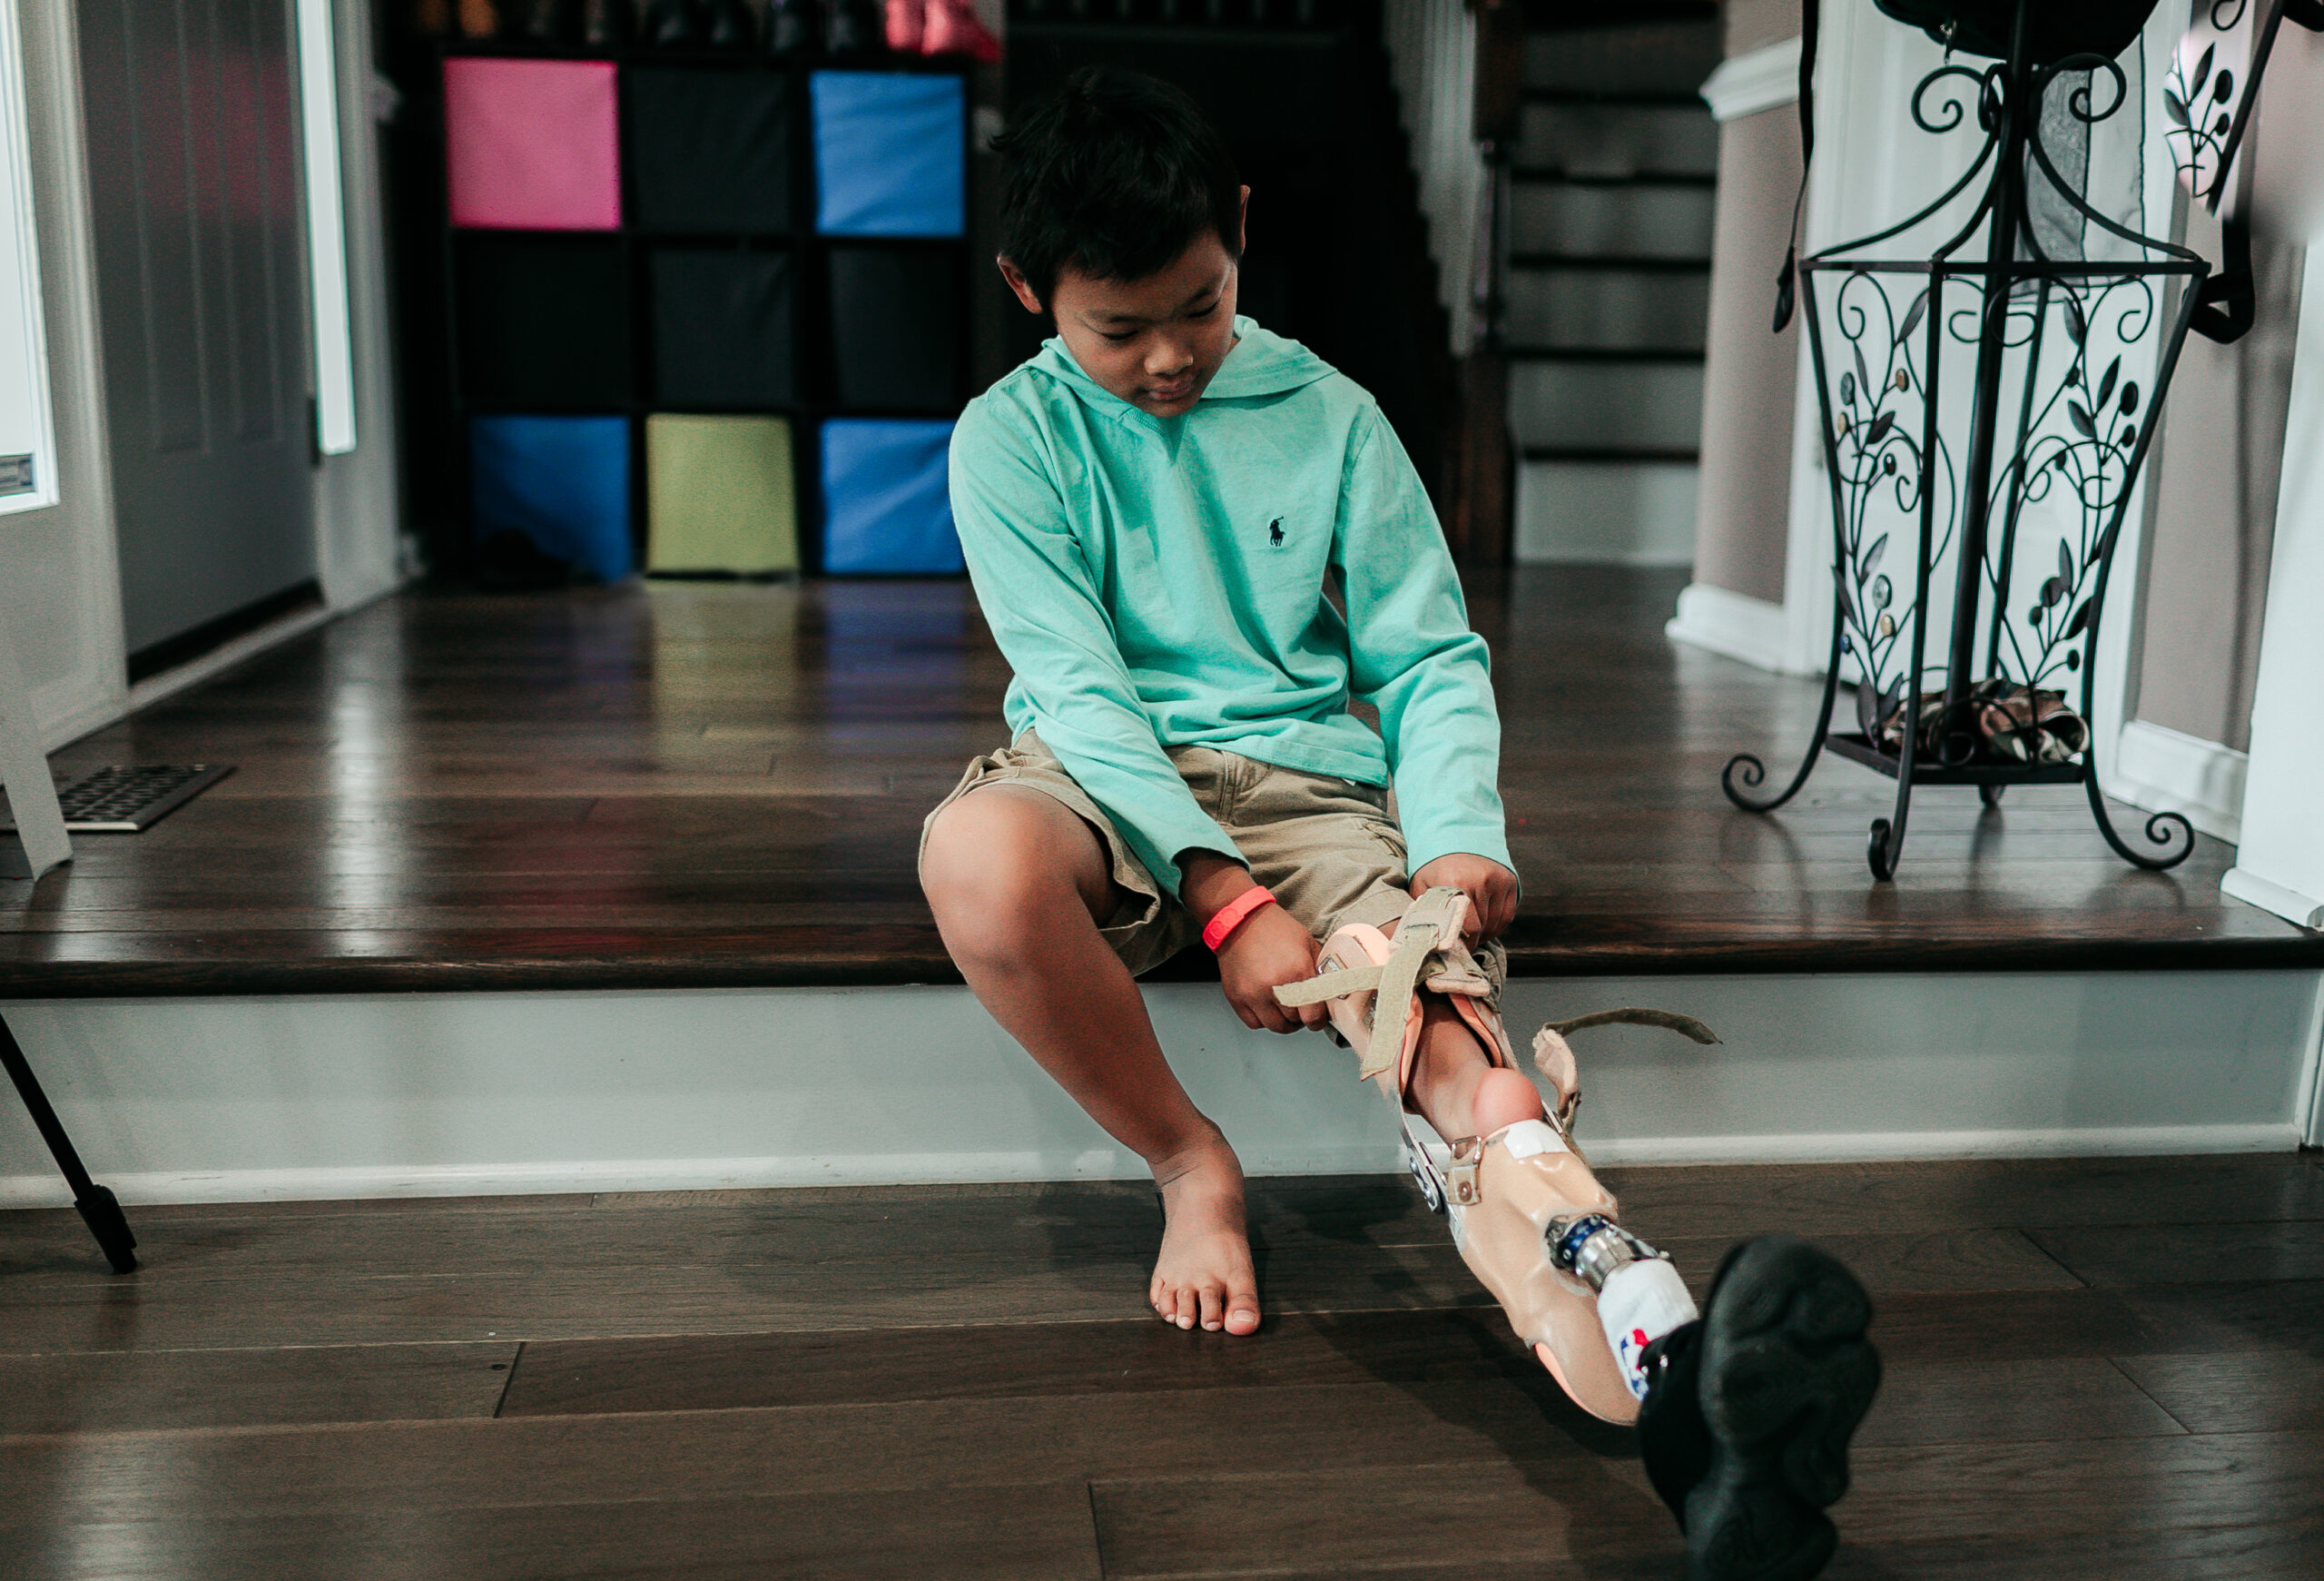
1745, 1414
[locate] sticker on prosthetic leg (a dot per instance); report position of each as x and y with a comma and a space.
1641, 1302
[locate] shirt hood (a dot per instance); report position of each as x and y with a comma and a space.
1262, 363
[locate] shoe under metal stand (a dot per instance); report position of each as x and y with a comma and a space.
99, 1208
2055, 433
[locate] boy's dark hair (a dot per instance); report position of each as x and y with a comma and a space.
1116, 174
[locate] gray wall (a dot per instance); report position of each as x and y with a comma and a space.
2223, 438
1753, 23
1748, 373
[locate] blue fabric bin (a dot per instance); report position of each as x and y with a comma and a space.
889, 153
887, 509
562, 481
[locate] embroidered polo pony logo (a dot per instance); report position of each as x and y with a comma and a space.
1275, 533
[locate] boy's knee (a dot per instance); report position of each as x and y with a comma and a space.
992, 857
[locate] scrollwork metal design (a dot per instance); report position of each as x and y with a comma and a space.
2080, 346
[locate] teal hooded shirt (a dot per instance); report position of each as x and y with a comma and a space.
1160, 582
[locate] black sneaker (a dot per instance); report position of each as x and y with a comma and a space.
1746, 1425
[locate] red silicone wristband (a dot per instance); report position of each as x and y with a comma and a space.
1230, 916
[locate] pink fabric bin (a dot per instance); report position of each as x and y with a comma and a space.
532, 144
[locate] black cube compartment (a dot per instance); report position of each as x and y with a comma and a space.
711, 150
895, 318
724, 329
544, 324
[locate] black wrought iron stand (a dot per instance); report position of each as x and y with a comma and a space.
2055, 433
99, 1209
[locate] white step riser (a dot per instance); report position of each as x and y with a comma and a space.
1628, 513
1624, 222
1620, 140
1607, 406
430, 1094
1606, 309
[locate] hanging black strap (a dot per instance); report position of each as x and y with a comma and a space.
1788, 278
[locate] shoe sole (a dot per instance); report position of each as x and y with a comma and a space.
1786, 1375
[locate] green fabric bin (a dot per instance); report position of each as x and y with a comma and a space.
722, 495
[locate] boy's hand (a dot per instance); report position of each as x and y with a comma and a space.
1492, 890
1267, 949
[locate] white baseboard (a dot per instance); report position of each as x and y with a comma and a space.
2167, 771
589, 1175
1864, 1147
1735, 624
2246, 885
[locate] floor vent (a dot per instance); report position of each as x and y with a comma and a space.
120, 800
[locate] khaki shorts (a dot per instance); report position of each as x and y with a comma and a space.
1327, 847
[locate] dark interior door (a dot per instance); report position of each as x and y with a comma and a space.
195, 184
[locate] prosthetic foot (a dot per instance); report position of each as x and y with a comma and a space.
1746, 1428
1529, 1218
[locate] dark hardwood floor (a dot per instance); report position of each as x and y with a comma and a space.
2102, 1370
712, 785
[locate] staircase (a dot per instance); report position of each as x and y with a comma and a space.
1607, 284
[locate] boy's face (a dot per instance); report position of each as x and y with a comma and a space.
1155, 342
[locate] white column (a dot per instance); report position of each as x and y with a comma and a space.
2280, 863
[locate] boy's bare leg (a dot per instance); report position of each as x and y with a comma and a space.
1456, 1088
1018, 883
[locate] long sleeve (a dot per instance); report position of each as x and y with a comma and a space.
1413, 656
1044, 608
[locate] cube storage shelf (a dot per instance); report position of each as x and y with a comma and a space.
696, 300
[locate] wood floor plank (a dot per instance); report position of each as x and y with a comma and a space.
1013, 1533
41, 1312
2010, 1402
2287, 1549
2251, 1392
1917, 1262
86, 1392
1991, 1402
1378, 1521
2175, 1253
1003, 1361
62, 1481
1974, 1193
1383, 1521
2223, 1317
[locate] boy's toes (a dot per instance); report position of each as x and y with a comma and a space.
1186, 1308
1214, 1306
1242, 1312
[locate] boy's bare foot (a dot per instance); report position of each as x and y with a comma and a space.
1203, 1273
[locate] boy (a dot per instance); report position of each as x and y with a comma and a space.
1197, 544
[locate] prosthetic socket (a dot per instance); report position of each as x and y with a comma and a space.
1529, 1216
